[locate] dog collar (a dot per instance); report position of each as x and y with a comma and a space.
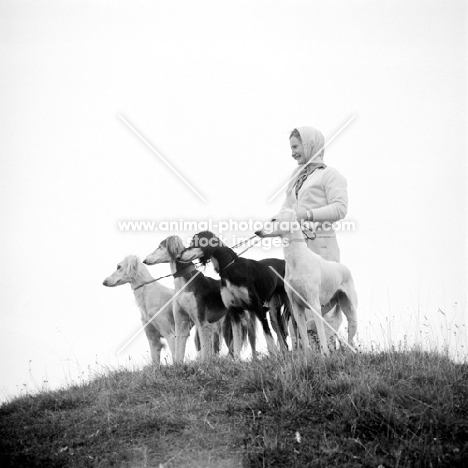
184, 271
227, 266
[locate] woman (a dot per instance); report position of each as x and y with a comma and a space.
316, 192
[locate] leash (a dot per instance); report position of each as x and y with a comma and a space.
238, 255
177, 274
243, 242
250, 246
152, 281
313, 237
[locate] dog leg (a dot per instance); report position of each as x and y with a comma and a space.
171, 342
196, 342
257, 310
155, 343
274, 307
235, 317
237, 339
205, 333
293, 332
228, 334
334, 319
216, 336
271, 346
319, 323
252, 332
299, 316
348, 305
183, 324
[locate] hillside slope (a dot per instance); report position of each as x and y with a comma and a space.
382, 409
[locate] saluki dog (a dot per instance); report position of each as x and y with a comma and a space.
150, 297
312, 282
199, 301
245, 285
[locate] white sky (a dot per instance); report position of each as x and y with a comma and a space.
216, 86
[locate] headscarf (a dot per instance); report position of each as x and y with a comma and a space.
313, 143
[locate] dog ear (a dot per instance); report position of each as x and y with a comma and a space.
174, 246
135, 262
127, 265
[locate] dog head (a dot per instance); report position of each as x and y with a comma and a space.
126, 271
202, 247
166, 252
285, 222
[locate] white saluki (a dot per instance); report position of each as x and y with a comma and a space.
150, 297
198, 301
312, 282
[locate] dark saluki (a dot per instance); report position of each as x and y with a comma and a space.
246, 285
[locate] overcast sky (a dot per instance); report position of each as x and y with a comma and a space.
215, 87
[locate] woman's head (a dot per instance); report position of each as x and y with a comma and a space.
297, 149
306, 143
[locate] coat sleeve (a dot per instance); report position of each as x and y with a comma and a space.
336, 193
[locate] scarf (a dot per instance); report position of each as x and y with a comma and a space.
308, 169
313, 143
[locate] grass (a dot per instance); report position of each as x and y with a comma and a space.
380, 409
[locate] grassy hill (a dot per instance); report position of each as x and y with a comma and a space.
388, 409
